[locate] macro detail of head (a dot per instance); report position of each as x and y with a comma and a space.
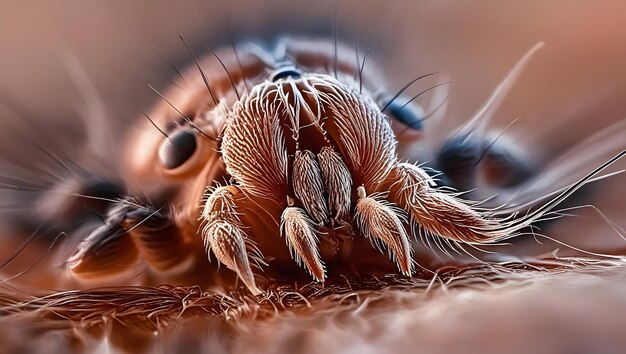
291, 176
283, 162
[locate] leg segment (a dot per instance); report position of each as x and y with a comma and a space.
108, 250
130, 231
224, 234
297, 228
380, 222
436, 212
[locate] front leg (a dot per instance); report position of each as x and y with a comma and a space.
130, 232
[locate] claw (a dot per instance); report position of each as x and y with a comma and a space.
227, 242
223, 235
379, 222
298, 231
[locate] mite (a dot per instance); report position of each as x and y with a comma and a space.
277, 163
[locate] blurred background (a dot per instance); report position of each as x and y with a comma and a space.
573, 87
579, 74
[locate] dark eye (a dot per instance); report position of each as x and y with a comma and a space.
177, 149
284, 72
411, 115
505, 167
457, 159
102, 188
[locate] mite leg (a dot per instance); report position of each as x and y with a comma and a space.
447, 216
226, 236
231, 221
130, 232
300, 235
158, 238
228, 242
434, 211
228, 215
107, 251
380, 221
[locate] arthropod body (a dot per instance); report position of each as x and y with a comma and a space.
266, 160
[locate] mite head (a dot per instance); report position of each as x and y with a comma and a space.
297, 143
179, 140
299, 127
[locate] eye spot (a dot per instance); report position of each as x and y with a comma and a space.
501, 165
457, 159
503, 168
177, 149
285, 72
410, 115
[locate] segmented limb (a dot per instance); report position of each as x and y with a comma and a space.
108, 250
298, 230
381, 222
225, 235
436, 212
130, 232
446, 216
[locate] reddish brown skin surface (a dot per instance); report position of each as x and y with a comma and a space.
578, 76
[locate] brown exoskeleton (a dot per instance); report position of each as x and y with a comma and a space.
272, 158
